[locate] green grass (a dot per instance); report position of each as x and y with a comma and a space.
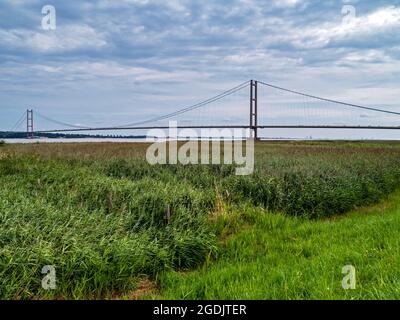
98, 213
101, 233
272, 256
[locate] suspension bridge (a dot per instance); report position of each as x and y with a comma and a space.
253, 105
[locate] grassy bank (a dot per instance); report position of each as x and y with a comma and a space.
273, 256
106, 219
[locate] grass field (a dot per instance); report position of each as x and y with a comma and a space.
272, 256
98, 213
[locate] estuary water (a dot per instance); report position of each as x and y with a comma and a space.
81, 140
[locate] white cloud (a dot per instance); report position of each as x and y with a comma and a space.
64, 39
373, 24
368, 56
105, 69
173, 5
287, 3
262, 59
182, 51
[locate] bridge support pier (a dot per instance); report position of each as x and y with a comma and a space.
29, 124
254, 109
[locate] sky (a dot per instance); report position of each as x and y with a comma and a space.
117, 62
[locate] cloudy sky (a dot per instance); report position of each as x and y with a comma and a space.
110, 62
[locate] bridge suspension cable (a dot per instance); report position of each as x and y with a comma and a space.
60, 122
192, 107
330, 100
152, 120
19, 122
311, 111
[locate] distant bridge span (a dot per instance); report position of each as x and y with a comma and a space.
304, 111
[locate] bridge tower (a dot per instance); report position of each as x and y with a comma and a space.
254, 109
29, 124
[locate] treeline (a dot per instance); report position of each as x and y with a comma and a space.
22, 135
